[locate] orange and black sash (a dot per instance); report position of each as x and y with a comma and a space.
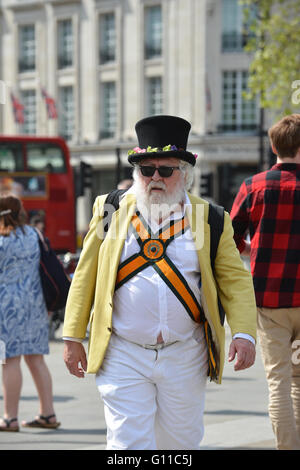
153, 253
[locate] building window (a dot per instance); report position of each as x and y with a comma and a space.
109, 110
65, 44
26, 48
107, 38
235, 32
238, 114
29, 103
153, 32
66, 112
154, 97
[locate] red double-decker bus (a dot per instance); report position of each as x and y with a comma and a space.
38, 170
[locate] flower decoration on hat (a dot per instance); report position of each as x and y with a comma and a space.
149, 149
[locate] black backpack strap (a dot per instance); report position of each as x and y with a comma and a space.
216, 222
111, 202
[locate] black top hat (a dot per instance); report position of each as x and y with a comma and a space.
162, 136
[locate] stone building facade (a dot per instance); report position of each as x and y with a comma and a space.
109, 63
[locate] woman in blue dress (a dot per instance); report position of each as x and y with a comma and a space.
23, 317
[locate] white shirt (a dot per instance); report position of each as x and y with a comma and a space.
145, 306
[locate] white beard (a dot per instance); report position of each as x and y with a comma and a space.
158, 205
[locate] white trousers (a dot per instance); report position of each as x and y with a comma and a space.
153, 399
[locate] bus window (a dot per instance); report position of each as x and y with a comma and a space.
11, 157
48, 158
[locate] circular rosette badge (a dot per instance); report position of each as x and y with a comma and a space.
153, 249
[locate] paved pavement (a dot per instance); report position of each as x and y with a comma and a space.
235, 418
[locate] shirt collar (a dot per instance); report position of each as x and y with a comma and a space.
286, 166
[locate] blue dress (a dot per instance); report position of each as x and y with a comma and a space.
23, 312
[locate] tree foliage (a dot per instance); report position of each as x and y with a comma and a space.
274, 43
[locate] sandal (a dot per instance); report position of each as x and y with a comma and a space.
8, 427
36, 423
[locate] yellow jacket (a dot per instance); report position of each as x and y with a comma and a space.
91, 294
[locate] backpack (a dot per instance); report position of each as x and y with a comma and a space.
55, 281
215, 220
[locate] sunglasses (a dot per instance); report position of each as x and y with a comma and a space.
163, 171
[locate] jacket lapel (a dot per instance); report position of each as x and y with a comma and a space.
115, 239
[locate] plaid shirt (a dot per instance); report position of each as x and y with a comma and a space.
268, 205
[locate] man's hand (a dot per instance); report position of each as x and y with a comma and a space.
245, 352
75, 358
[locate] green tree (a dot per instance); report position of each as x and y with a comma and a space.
274, 41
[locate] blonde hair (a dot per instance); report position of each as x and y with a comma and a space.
285, 136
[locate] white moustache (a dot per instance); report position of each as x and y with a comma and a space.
153, 184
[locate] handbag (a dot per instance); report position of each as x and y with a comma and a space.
54, 279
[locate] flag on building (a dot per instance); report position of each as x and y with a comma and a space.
51, 105
18, 109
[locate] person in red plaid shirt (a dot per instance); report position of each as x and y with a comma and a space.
267, 207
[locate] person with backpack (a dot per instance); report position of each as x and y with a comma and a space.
156, 298
268, 207
23, 318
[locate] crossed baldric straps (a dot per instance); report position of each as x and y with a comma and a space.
153, 253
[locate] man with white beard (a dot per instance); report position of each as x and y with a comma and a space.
151, 296
156, 196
